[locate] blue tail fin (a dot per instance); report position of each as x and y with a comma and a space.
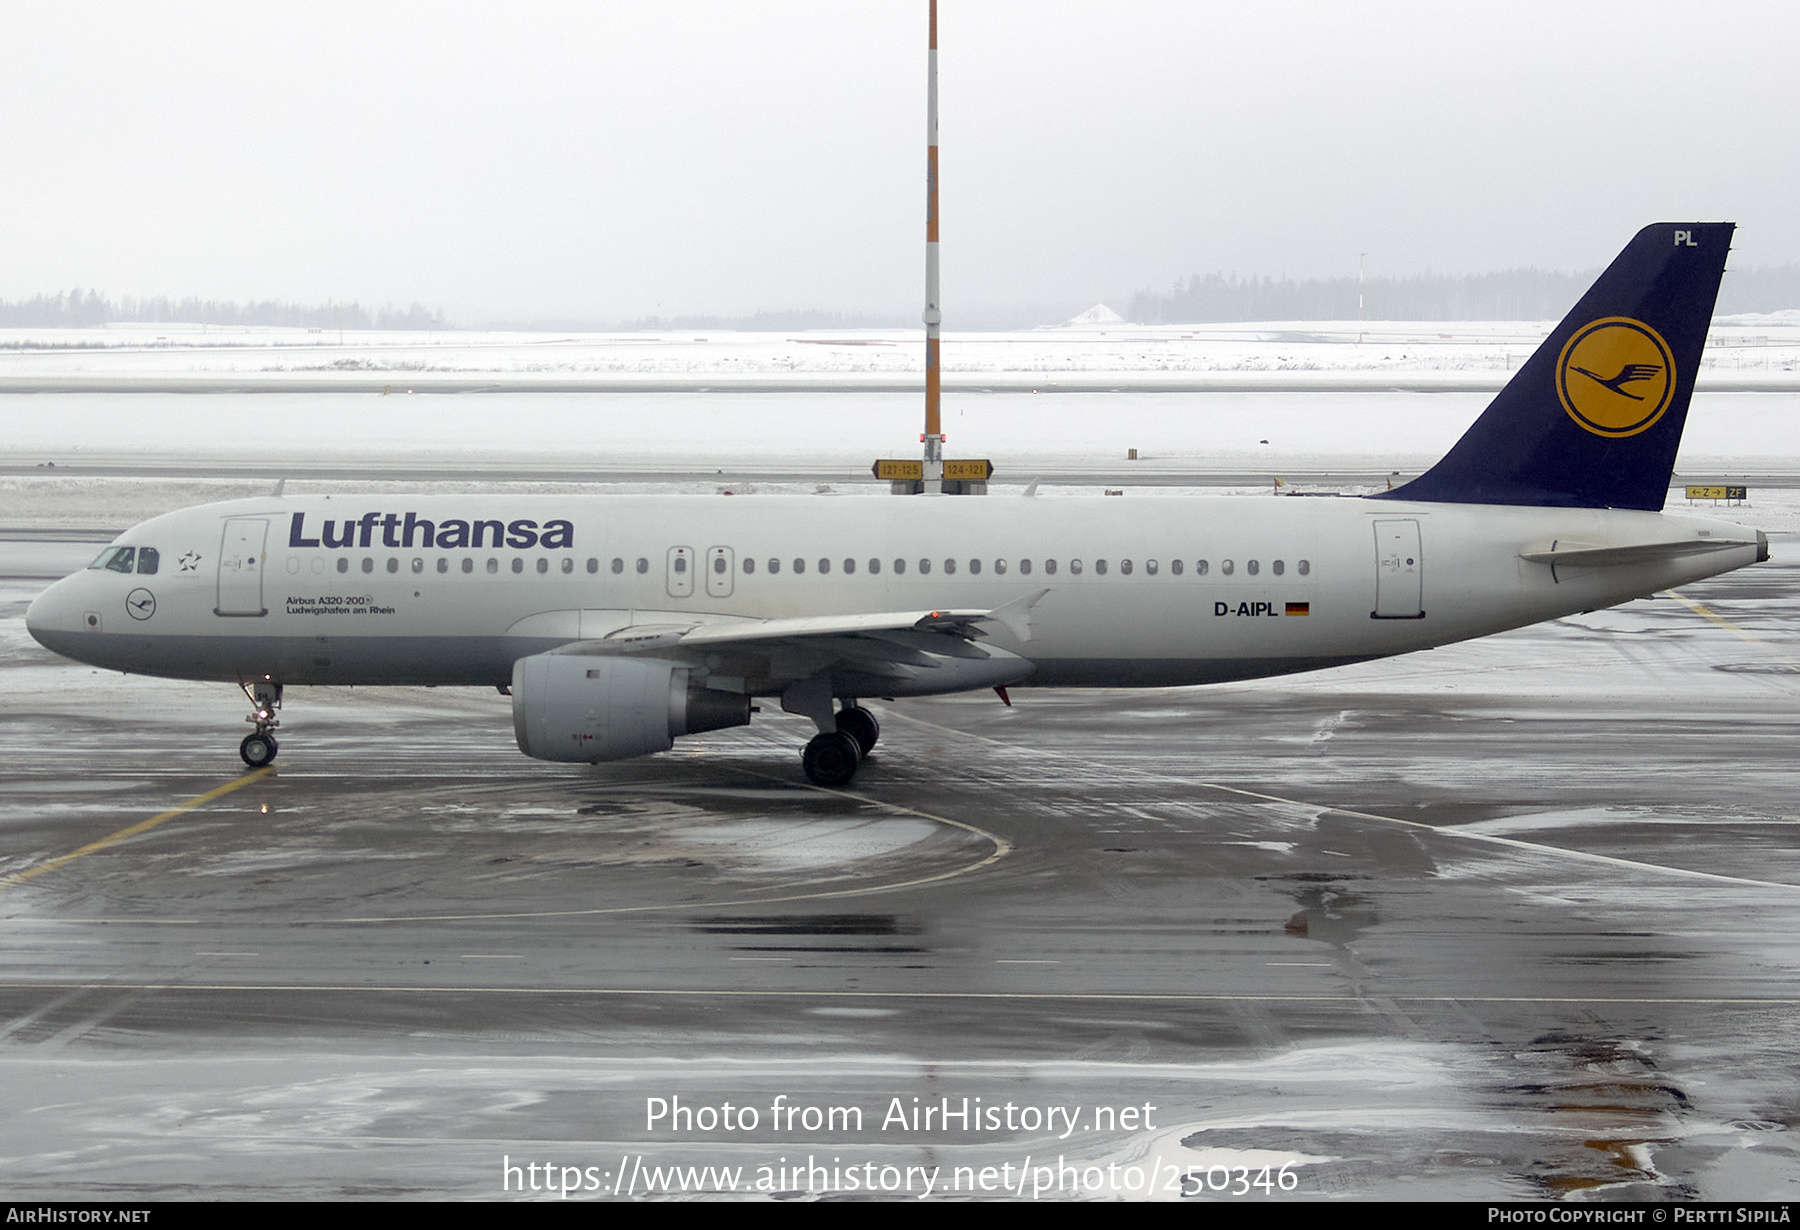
1594, 418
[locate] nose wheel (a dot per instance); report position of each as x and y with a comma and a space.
259, 746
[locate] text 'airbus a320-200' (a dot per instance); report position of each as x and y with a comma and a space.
620, 623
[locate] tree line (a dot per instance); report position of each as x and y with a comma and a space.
86, 308
1515, 294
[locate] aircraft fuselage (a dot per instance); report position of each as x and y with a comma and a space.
1138, 591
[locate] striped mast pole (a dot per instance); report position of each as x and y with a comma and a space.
933, 439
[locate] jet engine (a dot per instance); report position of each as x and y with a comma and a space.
576, 708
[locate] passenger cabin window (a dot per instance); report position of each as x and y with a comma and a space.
344, 564
1278, 567
1305, 566
1252, 567
1175, 567
1100, 566
774, 565
749, 565
468, 565
643, 565
1025, 567
1125, 566
1050, 567
799, 566
975, 566
1200, 568
899, 567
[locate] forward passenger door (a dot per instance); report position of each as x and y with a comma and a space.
241, 567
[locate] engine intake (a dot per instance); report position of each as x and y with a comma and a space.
573, 708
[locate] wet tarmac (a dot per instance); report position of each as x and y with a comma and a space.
1506, 920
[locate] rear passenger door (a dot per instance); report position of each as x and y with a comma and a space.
1399, 571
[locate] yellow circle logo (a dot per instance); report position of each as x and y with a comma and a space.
1616, 376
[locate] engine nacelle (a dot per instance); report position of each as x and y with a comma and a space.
570, 707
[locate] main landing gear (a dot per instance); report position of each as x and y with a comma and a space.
831, 759
259, 746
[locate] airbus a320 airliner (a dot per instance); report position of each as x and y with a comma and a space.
620, 623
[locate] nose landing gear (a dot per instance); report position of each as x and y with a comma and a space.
259, 747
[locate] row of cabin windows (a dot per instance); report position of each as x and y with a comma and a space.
773, 566
1001, 566
567, 564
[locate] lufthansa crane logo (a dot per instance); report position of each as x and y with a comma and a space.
1616, 376
140, 604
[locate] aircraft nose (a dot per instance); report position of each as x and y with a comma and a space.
49, 614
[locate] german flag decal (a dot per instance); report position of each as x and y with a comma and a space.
1299, 608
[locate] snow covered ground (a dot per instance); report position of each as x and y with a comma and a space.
1318, 406
1745, 352
833, 436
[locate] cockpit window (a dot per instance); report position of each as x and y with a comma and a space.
148, 558
115, 559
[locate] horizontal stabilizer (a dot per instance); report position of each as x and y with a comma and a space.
1586, 555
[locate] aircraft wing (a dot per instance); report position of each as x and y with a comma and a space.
895, 653
711, 633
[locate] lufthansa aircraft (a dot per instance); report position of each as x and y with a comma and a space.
619, 623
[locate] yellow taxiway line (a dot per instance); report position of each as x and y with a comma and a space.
1697, 609
143, 826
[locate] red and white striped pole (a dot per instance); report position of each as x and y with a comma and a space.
934, 436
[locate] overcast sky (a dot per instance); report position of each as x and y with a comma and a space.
607, 161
